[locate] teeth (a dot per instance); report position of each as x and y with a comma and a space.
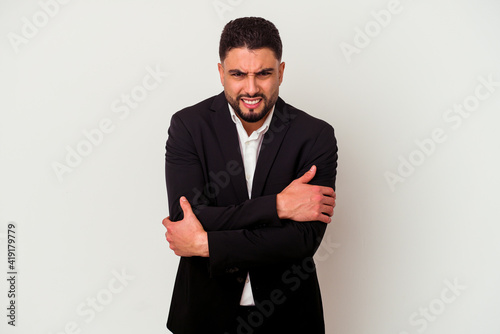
251, 102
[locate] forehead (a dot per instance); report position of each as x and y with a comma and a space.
250, 60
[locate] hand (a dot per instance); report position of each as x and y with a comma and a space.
302, 202
187, 236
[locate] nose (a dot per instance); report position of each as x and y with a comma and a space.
252, 87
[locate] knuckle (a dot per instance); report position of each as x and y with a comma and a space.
317, 198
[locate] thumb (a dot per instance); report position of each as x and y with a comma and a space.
308, 176
186, 207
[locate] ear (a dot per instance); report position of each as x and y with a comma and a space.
221, 73
281, 69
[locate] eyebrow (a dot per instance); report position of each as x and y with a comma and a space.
269, 69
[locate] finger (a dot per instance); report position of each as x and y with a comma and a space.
166, 221
327, 210
327, 191
308, 176
186, 207
328, 201
325, 219
169, 234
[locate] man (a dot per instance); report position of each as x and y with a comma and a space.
250, 186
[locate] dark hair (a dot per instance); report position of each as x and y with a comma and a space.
252, 33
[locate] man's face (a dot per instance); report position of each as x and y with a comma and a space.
251, 80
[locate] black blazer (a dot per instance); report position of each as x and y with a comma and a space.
203, 163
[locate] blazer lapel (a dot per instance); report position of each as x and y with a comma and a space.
227, 136
270, 145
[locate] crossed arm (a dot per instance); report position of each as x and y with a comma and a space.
299, 201
267, 229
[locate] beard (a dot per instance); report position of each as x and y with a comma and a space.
252, 116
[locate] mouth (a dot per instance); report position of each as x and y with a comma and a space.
251, 103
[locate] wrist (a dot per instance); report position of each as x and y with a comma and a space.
203, 245
280, 210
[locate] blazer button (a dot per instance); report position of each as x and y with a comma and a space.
240, 279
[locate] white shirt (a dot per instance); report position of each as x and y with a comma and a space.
250, 148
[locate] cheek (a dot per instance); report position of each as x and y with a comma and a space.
231, 88
272, 88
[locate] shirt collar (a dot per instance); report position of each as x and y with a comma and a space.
263, 128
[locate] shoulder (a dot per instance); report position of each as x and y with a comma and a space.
302, 121
197, 110
201, 115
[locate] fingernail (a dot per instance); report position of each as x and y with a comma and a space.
183, 199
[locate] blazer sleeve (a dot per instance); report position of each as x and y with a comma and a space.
185, 176
273, 244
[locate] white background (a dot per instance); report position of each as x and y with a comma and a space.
394, 247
